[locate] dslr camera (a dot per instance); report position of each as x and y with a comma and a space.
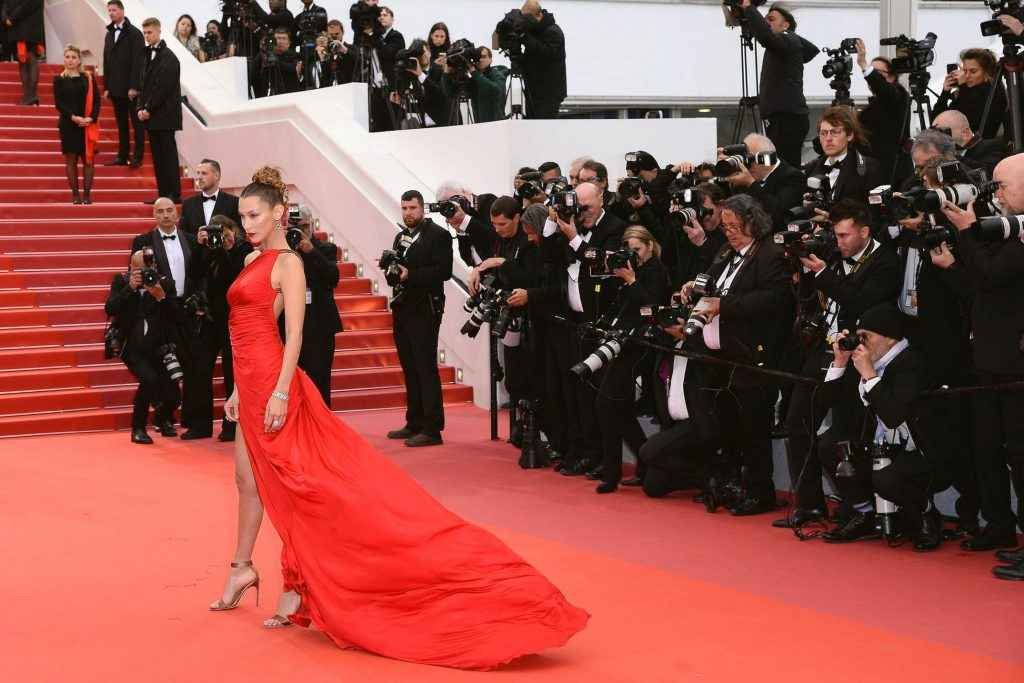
687, 205
450, 207
462, 56
389, 262
294, 235
489, 305
565, 204
150, 275
703, 286
531, 186
631, 186
738, 157
805, 238
169, 356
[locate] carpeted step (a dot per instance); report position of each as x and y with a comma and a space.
36, 133
53, 169
30, 157
101, 194
55, 182
34, 144
82, 242
60, 212
62, 229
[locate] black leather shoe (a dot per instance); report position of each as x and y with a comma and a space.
116, 162
753, 506
166, 428
595, 474
606, 487
573, 469
632, 481
929, 536
424, 440
1011, 573
403, 433
192, 435
135, 163
226, 434
990, 539
801, 516
1010, 556
858, 526
140, 436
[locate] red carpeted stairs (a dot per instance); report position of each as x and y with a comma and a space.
56, 264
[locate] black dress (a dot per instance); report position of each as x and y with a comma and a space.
69, 96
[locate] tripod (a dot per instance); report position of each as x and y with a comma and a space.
1010, 66
918, 81
462, 106
748, 103
366, 57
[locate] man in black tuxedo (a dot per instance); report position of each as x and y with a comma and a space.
781, 101
570, 245
891, 379
278, 17
210, 201
885, 118
417, 305
213, 269
778, 187
322, 321
996, 271
23, 20
173, 251
159, 105
849, 173
475, 236
147, 320
124, 56
749, 321
974, 151
865, 274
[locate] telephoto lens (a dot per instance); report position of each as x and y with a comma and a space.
730, 165
170, 361
996, 228
695, 323
602, 355
960, 194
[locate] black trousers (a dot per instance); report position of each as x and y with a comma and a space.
616, 412
583, 433
202, 353
753, 420
674, 459
556, 400
788, 131
316, 358
165, 163
125, 112
802, 421
998, 442
155, 388
416, 338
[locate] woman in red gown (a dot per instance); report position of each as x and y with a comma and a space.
369, 557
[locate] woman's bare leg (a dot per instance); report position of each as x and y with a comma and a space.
250, 516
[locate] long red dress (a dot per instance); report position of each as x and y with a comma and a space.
379, 563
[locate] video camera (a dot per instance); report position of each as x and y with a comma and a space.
994, 27
911, 55
508, 36
310, 24
733, 10
406, 61
462, 56
840, 63
364, 16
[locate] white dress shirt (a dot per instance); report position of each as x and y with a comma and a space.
117, 31
209, 206
712, 332
461, 231
675, 393
831, 307
175, 259
833, 174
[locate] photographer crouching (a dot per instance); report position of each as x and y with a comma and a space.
645, 283
146, 320
321, 322
748, 318
416, 267
214, 268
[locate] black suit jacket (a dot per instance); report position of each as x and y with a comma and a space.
858, 175
188, 250
596, 294
782, 71
779, 192
971, 102
213, 271
193, 218
388, 47
758, 311
876, 281
996, 271
885, 119
544, 64
281, 19
161, 89
129, 308
429, 260
480, 236
27, 16
123, 61
984, 154
322, 320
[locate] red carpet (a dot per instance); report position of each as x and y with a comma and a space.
56, 264
112, 552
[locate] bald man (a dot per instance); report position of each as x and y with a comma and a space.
173, 250
778, 186
996, 270
147, 320
974, 151
543, 62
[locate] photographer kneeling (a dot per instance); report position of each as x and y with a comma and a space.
892, 376
748, 318
147, 320
644, 283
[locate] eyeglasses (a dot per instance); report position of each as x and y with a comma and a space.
832, 132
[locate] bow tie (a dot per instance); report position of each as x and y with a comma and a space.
114, 28
210, 198
169, 237
850, 261
829, 165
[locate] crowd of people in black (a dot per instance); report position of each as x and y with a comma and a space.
864, 307
169, 312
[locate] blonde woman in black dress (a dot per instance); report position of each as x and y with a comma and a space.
78, 101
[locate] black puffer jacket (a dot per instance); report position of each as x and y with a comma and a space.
544, 64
